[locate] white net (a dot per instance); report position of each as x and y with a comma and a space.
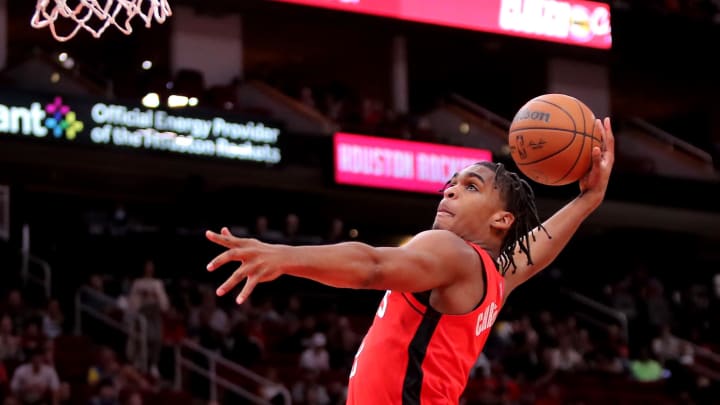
66, 18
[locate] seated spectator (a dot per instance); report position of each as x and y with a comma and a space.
94, 299
53, 320
106, 394
606, 362
309, 391
644, 368
343, 342
9, 341
263, 232
32, 338
665, 346
565, 357
108, 368
35, 383
315, 357
242, 347
273, 391
14, 306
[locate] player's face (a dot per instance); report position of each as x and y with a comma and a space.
470, 203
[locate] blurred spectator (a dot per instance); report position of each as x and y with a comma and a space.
105, 368
108, 368
336, 233
208, 314
624, 301
242, 347
273, 391
106, 394
10, 344
48, 350
291, 232
14, 306
292, 310
306, 97
32, 338
36, 383
149, 298
607, 363
119, 223
665, 346
208, 322
644, 368
657, 306
309, 391
564, 357
53, 320
268, 313
316, 356
96, 283
263, 232
343, 342
481, 368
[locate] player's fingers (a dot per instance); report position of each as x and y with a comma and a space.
222, 239
247, 289
235, 279
599, 128
230, 255
225, 231
609, 139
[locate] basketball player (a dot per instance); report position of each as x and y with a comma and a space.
444, 288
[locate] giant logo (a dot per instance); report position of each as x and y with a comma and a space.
62, 121
56, 118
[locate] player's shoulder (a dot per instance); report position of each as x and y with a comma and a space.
438, 235
441, 241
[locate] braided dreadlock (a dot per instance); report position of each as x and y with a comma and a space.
520, 201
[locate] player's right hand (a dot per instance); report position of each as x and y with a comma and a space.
259, 262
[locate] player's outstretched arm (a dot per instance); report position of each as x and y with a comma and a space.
431, 259
562, 225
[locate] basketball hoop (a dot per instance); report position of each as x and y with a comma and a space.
95, 16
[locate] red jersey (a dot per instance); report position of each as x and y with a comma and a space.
412, 354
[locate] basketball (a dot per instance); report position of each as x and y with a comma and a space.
551, 139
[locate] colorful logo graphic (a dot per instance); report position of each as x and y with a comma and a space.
61, 120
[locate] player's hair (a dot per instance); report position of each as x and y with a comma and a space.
519, 199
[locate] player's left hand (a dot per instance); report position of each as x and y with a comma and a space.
595, 182
259, 262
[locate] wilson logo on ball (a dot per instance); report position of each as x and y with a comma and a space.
526, 114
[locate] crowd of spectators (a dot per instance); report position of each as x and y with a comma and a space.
305, 343
37, 369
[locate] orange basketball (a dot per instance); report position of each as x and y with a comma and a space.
551, 139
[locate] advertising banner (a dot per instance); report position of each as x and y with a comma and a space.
399, 165
189, 131
574, 22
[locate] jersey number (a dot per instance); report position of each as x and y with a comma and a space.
383, 305
380, 313
354, 366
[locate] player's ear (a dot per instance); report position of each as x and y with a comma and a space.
503, 220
